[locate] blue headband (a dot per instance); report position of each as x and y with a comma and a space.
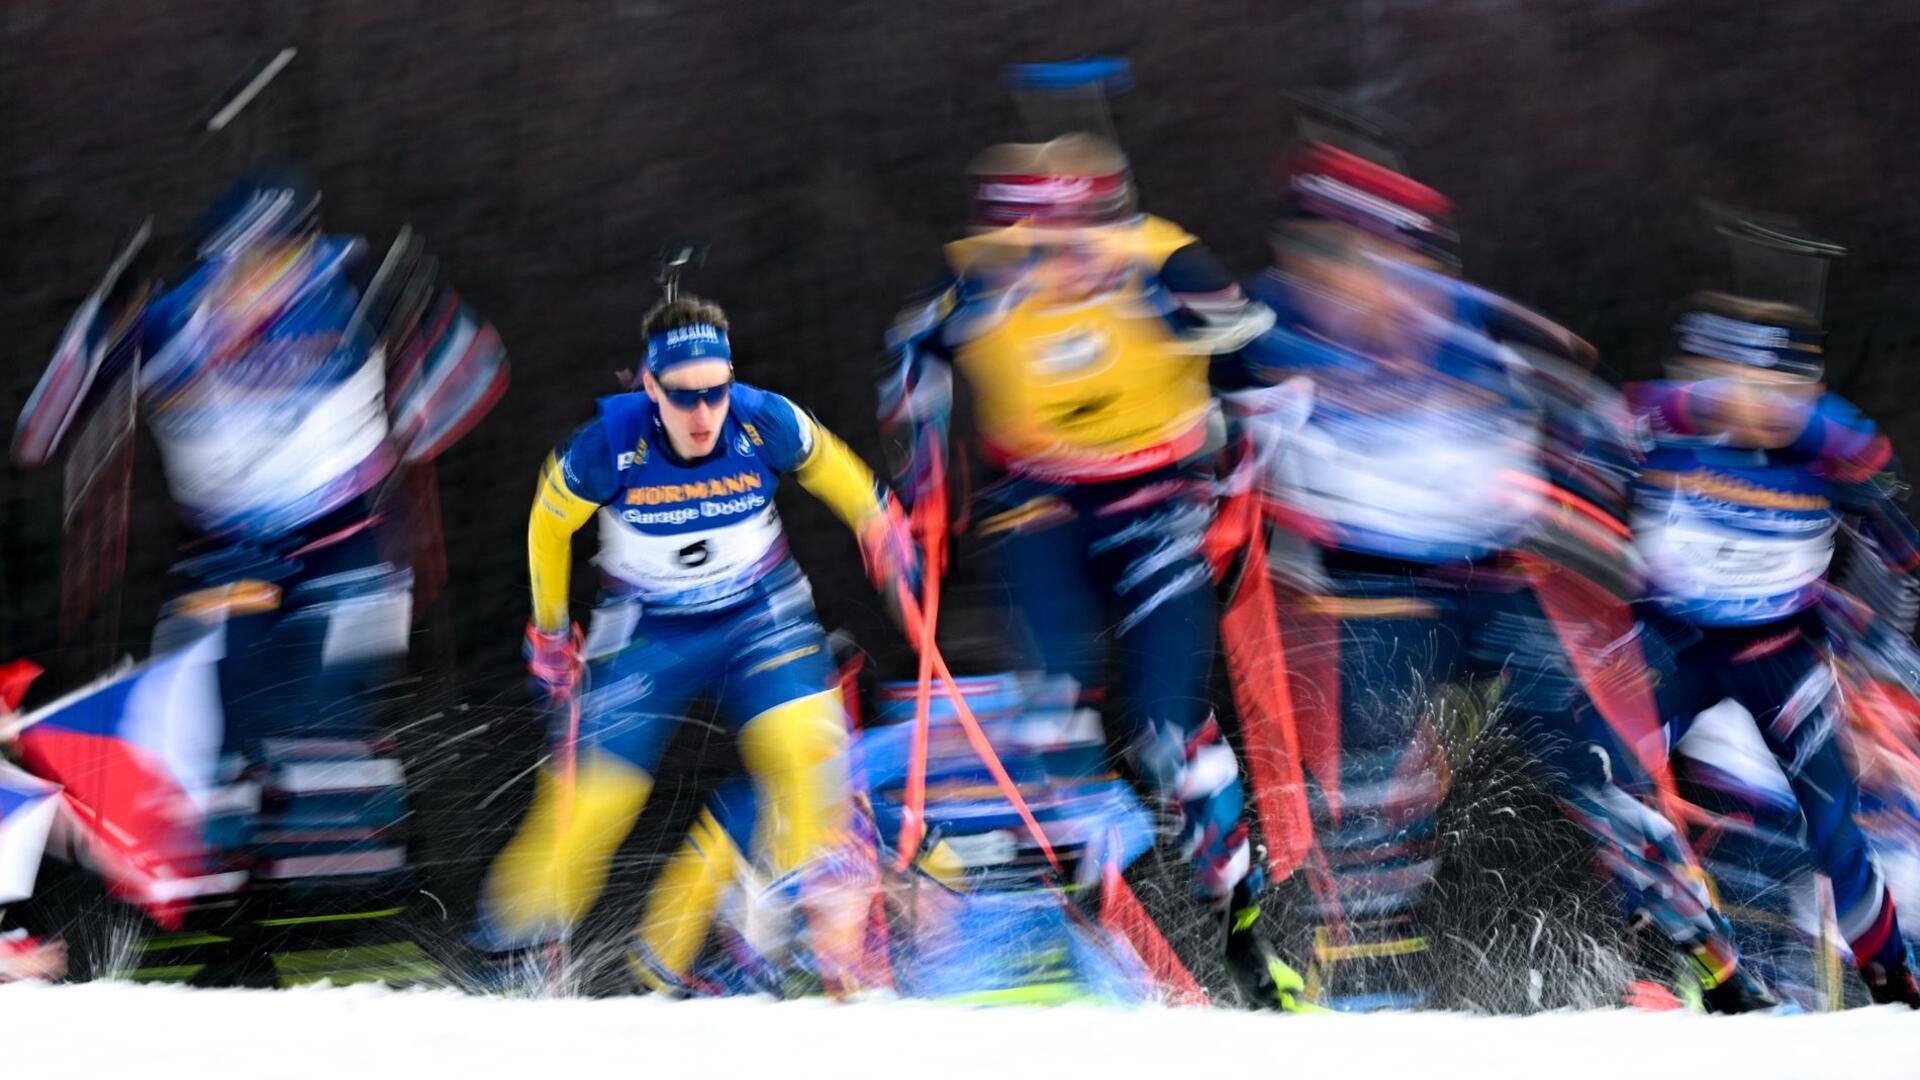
669, 349
1777, 348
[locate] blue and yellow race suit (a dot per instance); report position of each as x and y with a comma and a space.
1098, 418
699, 596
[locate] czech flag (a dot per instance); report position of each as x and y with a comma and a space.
137, 754
27, 808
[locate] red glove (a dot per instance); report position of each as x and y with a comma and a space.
887, 545
553, 658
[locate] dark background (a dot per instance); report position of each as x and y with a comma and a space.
546, 151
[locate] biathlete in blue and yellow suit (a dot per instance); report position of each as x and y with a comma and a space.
1085, 332
699, 596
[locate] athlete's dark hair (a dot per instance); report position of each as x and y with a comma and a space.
683, 310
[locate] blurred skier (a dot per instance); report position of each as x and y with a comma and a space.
1085, 331
699, 595
1751, 467
1448, 545
286, 384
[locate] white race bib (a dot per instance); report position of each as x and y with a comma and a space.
1426, 485
233, 451
692, 566
1690, 558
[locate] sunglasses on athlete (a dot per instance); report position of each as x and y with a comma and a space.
715, 395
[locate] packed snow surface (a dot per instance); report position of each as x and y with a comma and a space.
358, 1033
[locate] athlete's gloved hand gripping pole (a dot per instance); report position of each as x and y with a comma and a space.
553, 659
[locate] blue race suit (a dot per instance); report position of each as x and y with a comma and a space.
1421, 473
269, 409
1737, 543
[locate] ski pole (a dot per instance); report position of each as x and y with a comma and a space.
931, 512
977, 738
913, 823
558, 953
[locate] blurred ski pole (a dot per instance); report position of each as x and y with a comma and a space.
559, 951
918, 627
930, 513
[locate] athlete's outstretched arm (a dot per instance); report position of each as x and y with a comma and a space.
1882, 566
798, 446
1213, 313
574, 483
835, 475
829, 469
1209, 311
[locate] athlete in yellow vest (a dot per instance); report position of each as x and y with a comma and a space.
1086, 332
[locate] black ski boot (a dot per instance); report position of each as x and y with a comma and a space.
1739, 992
1893, 984
1264, 980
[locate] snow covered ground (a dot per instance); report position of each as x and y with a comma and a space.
360, 1033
